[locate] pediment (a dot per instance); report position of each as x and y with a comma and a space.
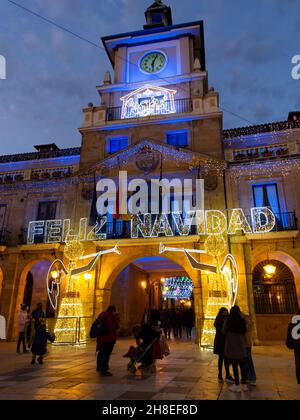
156, 151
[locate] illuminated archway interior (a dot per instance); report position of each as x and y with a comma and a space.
146, 284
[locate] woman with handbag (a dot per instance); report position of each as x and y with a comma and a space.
293, 343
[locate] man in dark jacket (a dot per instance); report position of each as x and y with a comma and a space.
293, 342
37, 314
106, 342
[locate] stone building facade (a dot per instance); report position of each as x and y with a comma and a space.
157, 117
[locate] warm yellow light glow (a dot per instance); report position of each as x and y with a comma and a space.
144, 284
270, 269
55, 275
163, 280
87, 276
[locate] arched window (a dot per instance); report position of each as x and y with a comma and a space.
274, 288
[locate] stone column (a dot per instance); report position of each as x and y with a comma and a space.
247, 253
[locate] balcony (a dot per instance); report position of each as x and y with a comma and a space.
182, 106
285, 222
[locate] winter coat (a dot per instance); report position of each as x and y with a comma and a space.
112, 324
248, 336
220, 339
22, 321
39, 345
36, 315
235, 350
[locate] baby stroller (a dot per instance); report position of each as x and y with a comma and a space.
143, 353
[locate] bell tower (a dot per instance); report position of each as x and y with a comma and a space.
157, 15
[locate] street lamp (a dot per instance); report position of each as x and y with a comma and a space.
270, 269
55, 275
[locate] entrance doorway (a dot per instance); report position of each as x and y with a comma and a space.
155, 284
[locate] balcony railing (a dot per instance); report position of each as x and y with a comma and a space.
182, 106
119, 229
284, 222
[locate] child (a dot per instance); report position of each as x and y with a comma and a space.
39, 345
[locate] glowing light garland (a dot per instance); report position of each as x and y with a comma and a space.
177, 288
148, 100
223, 281
53, 285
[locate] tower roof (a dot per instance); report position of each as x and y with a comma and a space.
158, 14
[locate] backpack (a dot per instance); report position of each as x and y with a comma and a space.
98, 329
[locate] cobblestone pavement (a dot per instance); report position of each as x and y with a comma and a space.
187, 374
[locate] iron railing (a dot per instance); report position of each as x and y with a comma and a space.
284, 221
182, 106
121, 229
275, 299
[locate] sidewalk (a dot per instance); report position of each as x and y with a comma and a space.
188, 374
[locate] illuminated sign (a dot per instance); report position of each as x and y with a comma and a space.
148, 100
210, 222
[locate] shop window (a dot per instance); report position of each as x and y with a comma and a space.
178, 139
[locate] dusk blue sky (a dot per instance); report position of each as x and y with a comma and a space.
51, 75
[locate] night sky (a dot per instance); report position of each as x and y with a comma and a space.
52, 75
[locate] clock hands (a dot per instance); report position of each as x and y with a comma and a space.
153, 62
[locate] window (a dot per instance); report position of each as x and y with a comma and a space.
47, 210
178, 139
267, 196
117, 144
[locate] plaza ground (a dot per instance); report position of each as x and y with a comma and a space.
187, 374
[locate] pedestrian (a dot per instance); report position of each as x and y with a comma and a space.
107, 341
189, 322
251, 374
22, 322
165, 321
155, 323
234, 330
294, 344
39, 345
38, 314
219, 346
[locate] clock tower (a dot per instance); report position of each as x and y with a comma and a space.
158, 90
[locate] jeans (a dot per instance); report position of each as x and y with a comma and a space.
250, 366
222, 360
103, 357
21, 340
243, 368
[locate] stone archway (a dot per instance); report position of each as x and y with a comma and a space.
289, 260
39, 266
272, 327
112, 265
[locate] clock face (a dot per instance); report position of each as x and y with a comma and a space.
153, 62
